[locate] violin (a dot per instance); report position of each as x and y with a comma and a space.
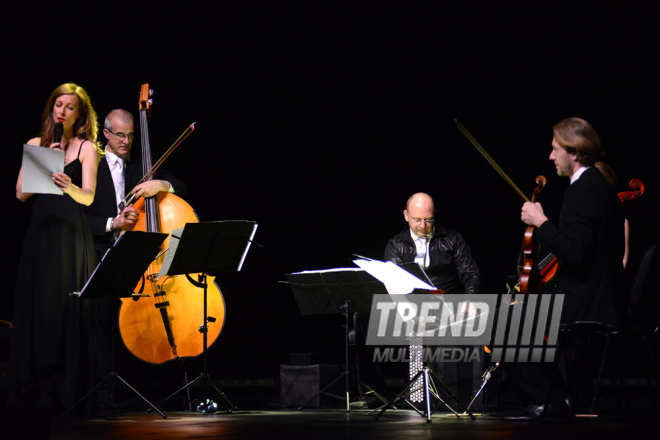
530, 275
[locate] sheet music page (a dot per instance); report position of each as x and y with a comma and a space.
340, 269
247, 248
171, 250
39, 164
396, 280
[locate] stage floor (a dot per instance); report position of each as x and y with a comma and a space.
317, 424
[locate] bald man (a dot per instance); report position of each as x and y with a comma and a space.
102, 215
445, 257
442, 253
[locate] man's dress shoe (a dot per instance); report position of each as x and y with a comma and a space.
533, 413
541, 413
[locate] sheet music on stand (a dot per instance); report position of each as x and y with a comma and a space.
413, 268
400, 280
397, 280
325, 291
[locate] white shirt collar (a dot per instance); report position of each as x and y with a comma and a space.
427, 237
578, 173
112, 157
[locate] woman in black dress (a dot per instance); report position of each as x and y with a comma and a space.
51, 347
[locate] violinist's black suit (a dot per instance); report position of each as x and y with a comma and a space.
589, 244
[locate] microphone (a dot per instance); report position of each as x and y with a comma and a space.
57, 132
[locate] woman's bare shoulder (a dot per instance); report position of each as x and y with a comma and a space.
34, 141
88, 149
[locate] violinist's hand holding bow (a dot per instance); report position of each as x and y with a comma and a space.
532, 214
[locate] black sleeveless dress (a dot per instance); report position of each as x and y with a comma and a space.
51, 342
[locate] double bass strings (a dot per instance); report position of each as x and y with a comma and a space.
130, 198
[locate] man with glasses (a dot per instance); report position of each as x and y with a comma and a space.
445, 257
118, 174
442, 253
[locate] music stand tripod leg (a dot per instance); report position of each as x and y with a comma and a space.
452, 396
371, 390
185, 387
345, 374
114, 375
229, 406
398, 396
486, 378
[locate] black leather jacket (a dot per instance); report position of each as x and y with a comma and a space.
450, 260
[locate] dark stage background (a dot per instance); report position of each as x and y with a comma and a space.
318, 120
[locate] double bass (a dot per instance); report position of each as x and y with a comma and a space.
167, 324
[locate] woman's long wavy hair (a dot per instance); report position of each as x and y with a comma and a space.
86, 126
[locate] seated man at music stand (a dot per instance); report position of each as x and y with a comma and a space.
442, 253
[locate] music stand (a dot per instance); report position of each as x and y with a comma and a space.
336, 291
390, 274
120, 270
208, 249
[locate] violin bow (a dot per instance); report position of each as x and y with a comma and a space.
130, 197
491, 161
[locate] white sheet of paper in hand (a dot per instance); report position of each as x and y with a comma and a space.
39, 164
396, 279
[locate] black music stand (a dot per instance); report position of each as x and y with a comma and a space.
336, 291
428, 376
120, 270
208, 249
430, 379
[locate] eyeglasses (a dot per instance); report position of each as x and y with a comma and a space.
122, 136
429, 221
